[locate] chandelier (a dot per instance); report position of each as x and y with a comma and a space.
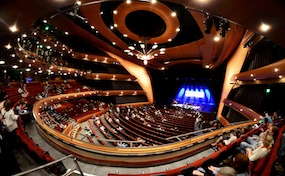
143, 52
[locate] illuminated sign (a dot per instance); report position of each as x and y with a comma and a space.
196, 94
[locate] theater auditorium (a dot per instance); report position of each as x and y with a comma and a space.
142, 87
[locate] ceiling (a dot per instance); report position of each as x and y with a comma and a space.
101, 27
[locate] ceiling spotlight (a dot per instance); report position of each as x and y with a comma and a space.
78, 2
13, 28
207, 66
44, 21
264, 27
2, 62
28, 69
115, 12
177, 29
66, 33
128, 1
8, 46
153, 1
173, 14
125, 35
217, 38
15, 66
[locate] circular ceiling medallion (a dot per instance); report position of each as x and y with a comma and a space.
158, 9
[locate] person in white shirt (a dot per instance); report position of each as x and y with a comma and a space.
226, 141
262, 150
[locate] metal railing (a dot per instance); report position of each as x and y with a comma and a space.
187, 134
70, 171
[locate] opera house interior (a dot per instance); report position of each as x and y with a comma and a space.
141, 87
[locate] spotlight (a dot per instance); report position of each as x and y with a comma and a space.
208, 23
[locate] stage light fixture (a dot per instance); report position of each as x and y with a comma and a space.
224, 26
208, 23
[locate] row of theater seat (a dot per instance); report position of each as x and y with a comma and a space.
36, 152
261, 167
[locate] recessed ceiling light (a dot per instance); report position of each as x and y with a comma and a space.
276, 69
177, 29
115, 11
13, 28
153, 1
280, 76
173, 14
2, 62
217, 38
28, 69
264, 27
207, 66
78, 2
128, 1
169, 40
92, 27
15, 66
125, 35
44, 21
8, 46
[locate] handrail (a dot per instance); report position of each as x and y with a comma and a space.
186, 134
51, 163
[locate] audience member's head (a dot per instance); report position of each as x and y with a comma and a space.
240, 163
237, 133
267, 140
7, 105
227, 171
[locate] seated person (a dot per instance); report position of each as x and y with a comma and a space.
227, 140
254, 141
261, 151
23, 90
240, 163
